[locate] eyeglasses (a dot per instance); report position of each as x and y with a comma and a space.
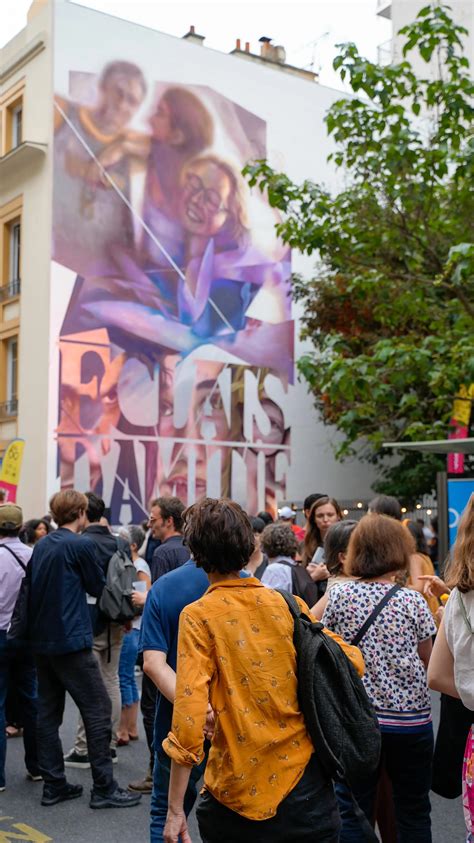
211, 198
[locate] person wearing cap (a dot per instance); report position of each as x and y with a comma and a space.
287, 515
17, 668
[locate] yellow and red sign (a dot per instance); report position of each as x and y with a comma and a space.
11, 467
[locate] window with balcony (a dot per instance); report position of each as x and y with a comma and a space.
15, 252
12, 372
11, 236
11, 281
10, 389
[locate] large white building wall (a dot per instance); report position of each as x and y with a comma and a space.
297, 143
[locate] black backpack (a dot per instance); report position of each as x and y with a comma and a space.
301, 583
339, 716
116, 599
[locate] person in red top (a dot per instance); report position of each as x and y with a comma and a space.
287, 515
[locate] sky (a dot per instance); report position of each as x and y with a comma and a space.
308, 31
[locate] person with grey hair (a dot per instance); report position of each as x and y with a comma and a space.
127, 729
279, 543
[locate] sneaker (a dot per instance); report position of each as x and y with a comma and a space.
2, 788
51, 796
34, 777
119, 798
73, 759
142, 786
113, 753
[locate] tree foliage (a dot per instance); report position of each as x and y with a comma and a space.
390, 308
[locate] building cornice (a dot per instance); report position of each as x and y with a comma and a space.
32, 49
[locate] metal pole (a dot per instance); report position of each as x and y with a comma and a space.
443, 533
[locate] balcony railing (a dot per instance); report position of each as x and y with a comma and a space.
9, 409
7, 291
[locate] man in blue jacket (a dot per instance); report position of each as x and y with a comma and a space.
62, 570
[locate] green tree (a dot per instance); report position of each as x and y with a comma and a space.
390, 308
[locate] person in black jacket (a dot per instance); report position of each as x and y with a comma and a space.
63, 569
108, 636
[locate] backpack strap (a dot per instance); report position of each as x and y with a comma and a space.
22, 564
290, 601
374, 614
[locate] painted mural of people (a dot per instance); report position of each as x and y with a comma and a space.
90, 215
220, 272
149, 412
181, 127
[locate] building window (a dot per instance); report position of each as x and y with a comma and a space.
17, 119
10, 249
12, 377
15, 252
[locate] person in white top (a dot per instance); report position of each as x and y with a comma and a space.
451, 669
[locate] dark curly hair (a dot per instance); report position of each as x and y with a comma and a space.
27, 532
279, 540
219, 535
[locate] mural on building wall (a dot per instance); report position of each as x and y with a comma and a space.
176, 346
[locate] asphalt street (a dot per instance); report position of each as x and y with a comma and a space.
23, 818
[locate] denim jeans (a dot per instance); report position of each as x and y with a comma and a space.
307, 815
159, 797
128, 657
408, 761
148, 707
79, 674
17, 671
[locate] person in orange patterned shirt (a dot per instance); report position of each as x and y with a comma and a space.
237, 663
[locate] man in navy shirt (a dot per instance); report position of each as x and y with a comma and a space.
166, 519
158, 641
62, 569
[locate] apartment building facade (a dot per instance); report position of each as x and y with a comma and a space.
403, 12
25, 211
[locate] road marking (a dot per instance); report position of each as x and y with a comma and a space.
29, 834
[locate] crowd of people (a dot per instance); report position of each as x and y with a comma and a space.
219, 689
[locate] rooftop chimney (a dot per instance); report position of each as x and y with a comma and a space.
272, 52
193, 36
273, 55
